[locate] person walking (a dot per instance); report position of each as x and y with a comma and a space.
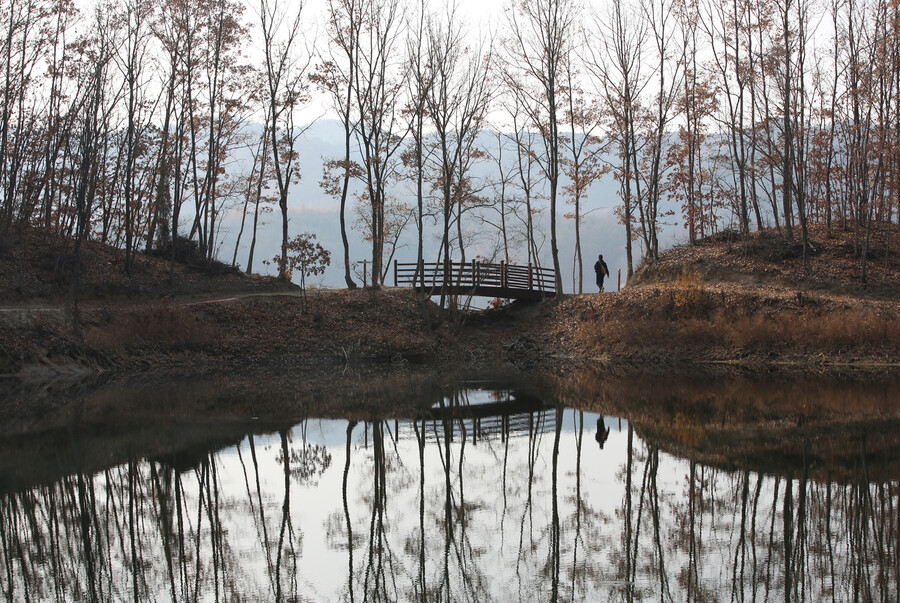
602, 271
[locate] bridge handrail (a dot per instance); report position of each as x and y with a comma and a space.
475, 274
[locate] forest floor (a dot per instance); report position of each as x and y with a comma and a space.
724, 301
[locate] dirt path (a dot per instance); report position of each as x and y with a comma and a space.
218, 298
242, 297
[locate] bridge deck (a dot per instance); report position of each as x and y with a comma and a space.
478, 278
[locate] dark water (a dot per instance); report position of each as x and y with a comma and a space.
487, 493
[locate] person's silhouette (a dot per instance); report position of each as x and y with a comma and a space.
602, 432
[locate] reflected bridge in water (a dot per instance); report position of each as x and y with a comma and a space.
480, 410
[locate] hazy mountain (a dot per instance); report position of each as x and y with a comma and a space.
312, 211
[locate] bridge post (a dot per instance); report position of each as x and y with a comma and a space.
474, 280
502, 273
395, 273
529, 277
365, 273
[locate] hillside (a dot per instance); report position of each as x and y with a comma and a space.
723, 300
767, 259
190, 313
36, 269
747, 302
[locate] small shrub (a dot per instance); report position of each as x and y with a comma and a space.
59, 265
8, 246
305, 256
688, 296
184, 250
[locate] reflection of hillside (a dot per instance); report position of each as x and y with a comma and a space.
275, 393
768, 425
825, 451
774, 426
30, 460
760, 399
62, 428
349, 511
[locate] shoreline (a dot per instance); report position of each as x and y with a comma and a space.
234, 334
751, 304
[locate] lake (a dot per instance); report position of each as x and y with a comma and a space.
439, 487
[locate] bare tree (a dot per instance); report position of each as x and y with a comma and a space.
24, 26
378, 88
725, 26
337, 75
540, 34
261, 203
286, 91
457, 103
419, 83
581, 164
131, 58
170, 173
525, 168
94, 105
617, 67
668, 75
688, 179
504, 200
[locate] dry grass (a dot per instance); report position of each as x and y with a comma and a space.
837, 331
158, 327
692, 322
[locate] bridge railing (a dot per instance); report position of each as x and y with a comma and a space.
434, 275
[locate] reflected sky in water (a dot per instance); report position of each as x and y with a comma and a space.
482, 500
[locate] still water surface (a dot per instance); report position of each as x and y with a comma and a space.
489, 494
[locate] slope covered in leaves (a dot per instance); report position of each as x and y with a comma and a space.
742, 301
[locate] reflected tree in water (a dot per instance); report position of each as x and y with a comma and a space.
435, 514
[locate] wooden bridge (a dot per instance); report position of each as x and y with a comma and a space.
478, 279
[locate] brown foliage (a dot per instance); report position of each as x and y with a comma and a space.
159, 327
736, 301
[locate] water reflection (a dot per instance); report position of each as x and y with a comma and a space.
484, 494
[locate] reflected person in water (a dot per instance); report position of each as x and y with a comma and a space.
602, 432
